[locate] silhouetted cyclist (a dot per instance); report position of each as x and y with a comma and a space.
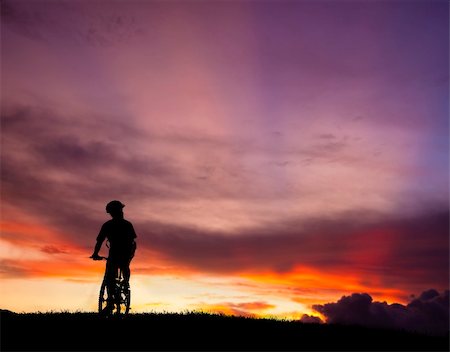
121, 236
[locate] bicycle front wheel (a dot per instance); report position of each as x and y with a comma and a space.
102, 298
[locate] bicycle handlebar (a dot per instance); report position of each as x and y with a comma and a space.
98, 258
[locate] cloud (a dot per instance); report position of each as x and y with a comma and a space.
50, 249
326, 136
61, 170
429, 313
73, 267
71, 22
247, 309
393, 250
310, 319
16, 269
258, 305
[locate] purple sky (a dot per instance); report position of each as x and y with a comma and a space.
246, 138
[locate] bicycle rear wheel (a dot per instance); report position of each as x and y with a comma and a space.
123, 297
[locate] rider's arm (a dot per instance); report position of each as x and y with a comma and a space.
133, 243
133, 233
98, 245
100, 238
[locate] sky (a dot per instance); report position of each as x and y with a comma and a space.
273, 156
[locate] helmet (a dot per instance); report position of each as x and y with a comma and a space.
114, 205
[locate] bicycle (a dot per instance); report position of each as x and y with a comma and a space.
121, 296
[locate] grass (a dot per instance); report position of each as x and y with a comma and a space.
196, 332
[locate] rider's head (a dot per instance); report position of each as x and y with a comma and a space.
114, 208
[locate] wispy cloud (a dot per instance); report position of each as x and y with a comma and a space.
248, 309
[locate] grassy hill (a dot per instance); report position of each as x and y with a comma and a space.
197, 332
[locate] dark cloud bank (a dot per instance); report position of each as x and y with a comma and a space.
428, 313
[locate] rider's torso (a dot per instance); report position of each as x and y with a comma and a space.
121, 235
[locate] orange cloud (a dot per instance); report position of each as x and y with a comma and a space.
19, 232
247, 309
38, 237
310, 285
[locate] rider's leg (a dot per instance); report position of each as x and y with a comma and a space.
126, 273
111, 270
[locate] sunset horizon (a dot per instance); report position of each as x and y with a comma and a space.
276, 159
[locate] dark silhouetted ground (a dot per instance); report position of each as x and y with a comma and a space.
196, 332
